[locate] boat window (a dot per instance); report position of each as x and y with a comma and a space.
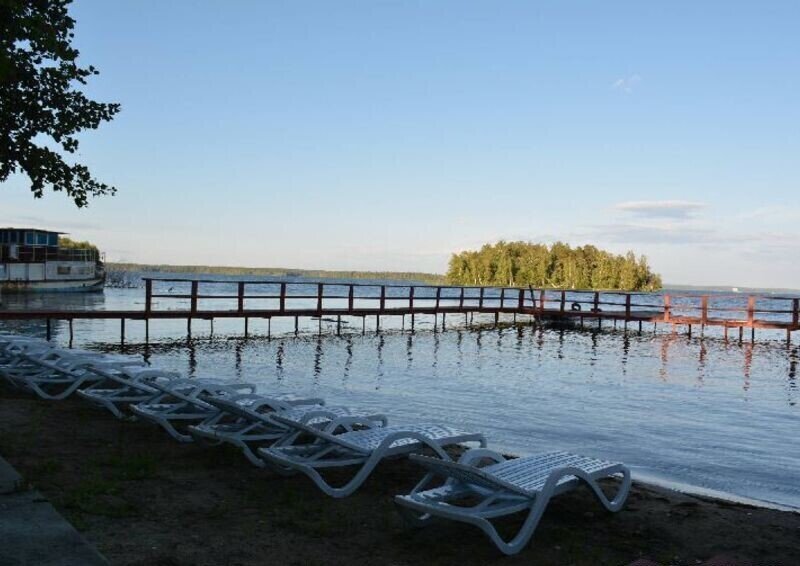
41, 239
52, 239
29, 238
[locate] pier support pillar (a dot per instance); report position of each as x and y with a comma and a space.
246, 326
496, 318
377, 323
338, 325
412, 322
147, 331
211, 333
296, 325
753, 334
640, 327
189, 328
741, 333
363, 325
269, 328
690, 331
70, 333
49, 331
122, 331
444, 319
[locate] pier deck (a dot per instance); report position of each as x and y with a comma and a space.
280, 299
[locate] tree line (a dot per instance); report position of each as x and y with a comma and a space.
519, 264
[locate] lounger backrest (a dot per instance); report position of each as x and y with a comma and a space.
467, 474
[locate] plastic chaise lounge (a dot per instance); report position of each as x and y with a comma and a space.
57, 378
364, 448
175, 407
505, 487
118, 390
253, 426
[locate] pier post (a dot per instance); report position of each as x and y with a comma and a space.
751, 310
689, 333
338, 325
480, 299
795, 312
211, 334
147, 331
461, 300
521, 300
296, 325
122, 331
377, 323
438, 296
269, 328
282, 298
596, 307
444, 315
363, 325
382, 305
563, 300
741, 333
411, 301
246, 326
189, 327
70, 333
350, 298
412, 322
627, 308
496, 319
240, 297
320, 292
148, 295
541, 302
48, 332
194, 297
502, 298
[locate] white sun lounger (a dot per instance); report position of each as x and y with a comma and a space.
117, 391
249, 427
57, 376
505, 487
174, 408
364, 448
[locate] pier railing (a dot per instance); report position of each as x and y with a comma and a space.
309, 298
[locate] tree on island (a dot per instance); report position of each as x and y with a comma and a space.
41, 111
516, 264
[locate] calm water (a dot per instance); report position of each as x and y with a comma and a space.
703, 413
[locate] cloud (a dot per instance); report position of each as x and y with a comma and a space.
673, 209
626, 84
654, 234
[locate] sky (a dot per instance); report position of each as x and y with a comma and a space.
386, 135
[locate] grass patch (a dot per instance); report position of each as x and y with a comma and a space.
98, 496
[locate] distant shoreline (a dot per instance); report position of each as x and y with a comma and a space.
431, 278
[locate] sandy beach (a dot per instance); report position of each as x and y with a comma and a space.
141, 498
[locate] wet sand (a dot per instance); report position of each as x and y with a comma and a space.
143, 499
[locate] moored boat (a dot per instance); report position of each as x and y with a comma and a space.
32, 260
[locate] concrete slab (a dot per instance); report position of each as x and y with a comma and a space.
32, 533
10, 480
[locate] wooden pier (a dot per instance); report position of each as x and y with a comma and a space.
195, 299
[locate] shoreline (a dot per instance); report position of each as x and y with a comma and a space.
141, 498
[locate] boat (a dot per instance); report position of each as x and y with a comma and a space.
32, 260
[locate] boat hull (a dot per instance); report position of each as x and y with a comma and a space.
94, 284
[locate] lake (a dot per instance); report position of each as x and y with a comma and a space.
703, 414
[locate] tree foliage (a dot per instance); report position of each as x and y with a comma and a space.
517, 264
70, 244
41, 110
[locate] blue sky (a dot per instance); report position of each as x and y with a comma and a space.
386, 135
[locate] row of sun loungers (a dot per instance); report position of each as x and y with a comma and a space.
290, 434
